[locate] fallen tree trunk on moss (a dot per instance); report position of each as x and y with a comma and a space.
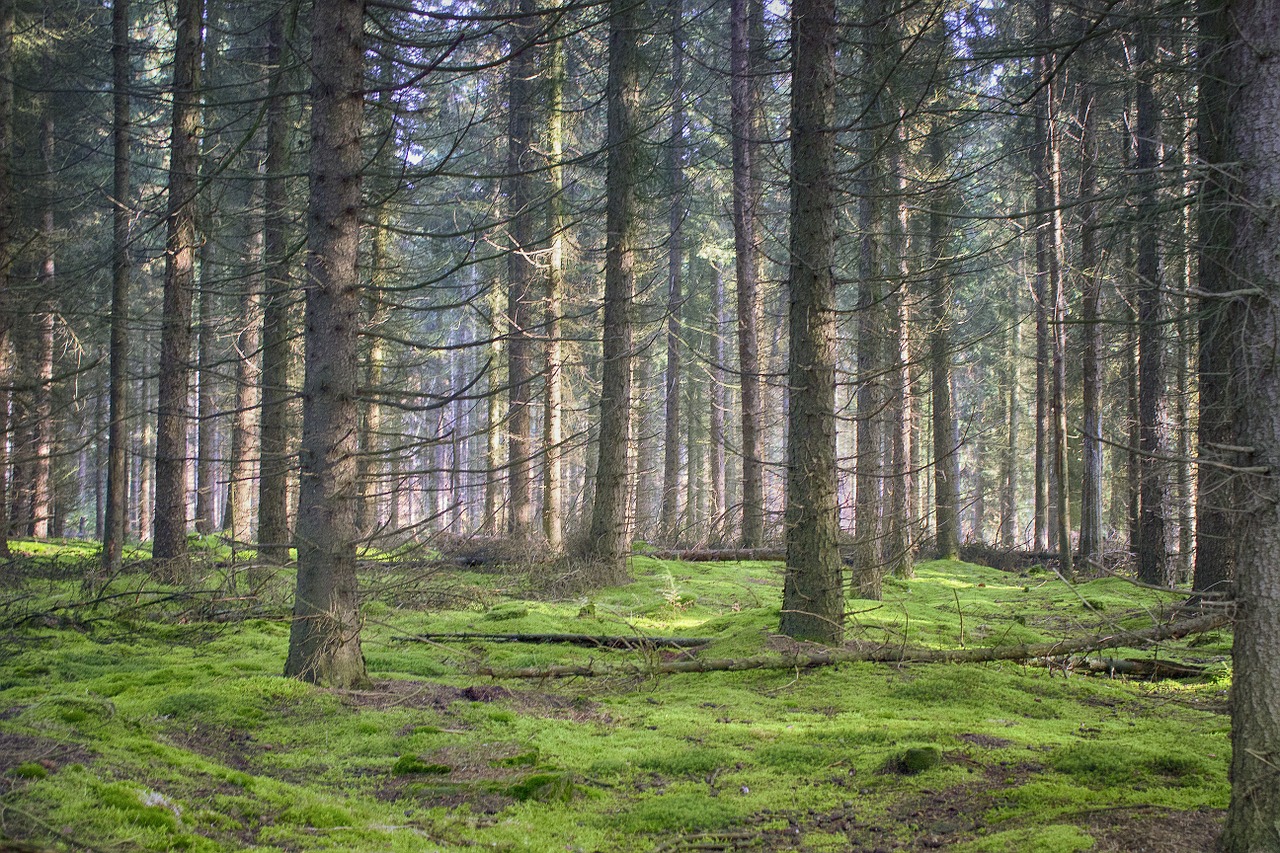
719, 555
591, 640
1137, 667
879, 654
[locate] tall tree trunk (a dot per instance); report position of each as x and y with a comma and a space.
521, 268
7, 10
169, 547
207, 414
1219, 318
1152, 555
324, 640
1010, 531
113, 515
946, 444
675, 270
114, 512
812, 593
1253, 156
42, 426
273, 428
608, 538
900, 518
1091, 529
744, 60
553, 415
237, 513
1058, 287
717, 406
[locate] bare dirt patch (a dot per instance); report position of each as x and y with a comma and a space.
1155, 830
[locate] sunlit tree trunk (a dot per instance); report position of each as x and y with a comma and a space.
813, 594
42, 426
324, 640
553, 413
1010, 531
522, 269
169, 546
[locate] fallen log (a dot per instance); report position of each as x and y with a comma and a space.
879, 654
1137, 667
719, 555
591, 640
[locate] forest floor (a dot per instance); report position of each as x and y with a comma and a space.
139, 717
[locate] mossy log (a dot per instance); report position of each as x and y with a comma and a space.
1137, 667
878, 654
590, 640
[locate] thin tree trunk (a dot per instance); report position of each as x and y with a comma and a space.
42, 427
744, 59
324, 640
553, 417
206, 398
668, 513
608, 538
114, 513
716, 410
812, 593
946, 446
169, 547
237, 513
1010, 530
521, 269
1152, 555
273, 441
1091, 367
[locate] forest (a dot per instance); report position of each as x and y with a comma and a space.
640, 425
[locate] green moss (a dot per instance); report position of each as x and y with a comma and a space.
681, 812
318, 815
30, 770
1056, 838
407, 765
918, 759
545, 788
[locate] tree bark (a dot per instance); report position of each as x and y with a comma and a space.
1091, 530
1253, 817
7, 14
169, 546
1152, 554
812, 593
42, 426
946, 445
521, 268
609, 540
273, 441
324, 640
669, 511
1218, 318
237, 512
744, 55
553, 415
114, 512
